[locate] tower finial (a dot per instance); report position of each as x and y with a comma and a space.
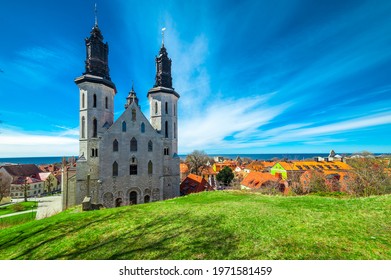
96, 16
132, 85
163, 35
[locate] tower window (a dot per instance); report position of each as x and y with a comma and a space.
106, 103
166, 151
115, 168
115, 145
174, 130
150, 146
95, 128
134, 115
83, 127
133, 166
133, 145
174, 110
156, 107
166, 108
82, 101
142, 128
94, 101
123, 126
166, 129
150, 167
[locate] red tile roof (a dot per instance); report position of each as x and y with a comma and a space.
193, 184
255, 180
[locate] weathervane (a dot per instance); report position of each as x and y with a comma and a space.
163, 35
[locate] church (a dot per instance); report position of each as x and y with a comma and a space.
130, 160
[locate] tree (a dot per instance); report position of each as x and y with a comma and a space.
225, 175
5, 185
369, 176
197, 161
24, 188
50, 183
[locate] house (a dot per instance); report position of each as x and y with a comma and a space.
194, 184
257, 180
51, 183
218, 166
292, 170
184, 171
209, 175
23, 176
334, 181
261, 166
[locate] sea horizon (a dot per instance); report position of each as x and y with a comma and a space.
280, 156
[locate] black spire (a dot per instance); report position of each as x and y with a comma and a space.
97, 54
163, 69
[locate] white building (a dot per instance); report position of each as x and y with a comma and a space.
132, 159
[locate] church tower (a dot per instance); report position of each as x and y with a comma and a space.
163, 100
96, 112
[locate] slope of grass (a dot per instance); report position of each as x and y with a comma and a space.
212, 225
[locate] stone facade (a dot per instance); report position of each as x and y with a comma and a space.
130, 160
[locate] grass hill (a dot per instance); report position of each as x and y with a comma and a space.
212, 225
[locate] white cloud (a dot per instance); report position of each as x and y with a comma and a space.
26, 144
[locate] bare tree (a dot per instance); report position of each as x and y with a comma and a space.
197, 161
5, 185
24, 188
50, 183
370, 176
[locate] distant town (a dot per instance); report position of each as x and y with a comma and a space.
200, 172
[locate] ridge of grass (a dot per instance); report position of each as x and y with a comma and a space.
212, 225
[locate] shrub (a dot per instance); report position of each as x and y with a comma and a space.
17, 207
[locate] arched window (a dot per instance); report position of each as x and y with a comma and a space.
96, 152
133, 166
166, 151
82, 100
174, 110
166, 108
147, 199
92, 152
174, 130
115, 168
156, 107
133, 115
150, 167
123, 126
95, 128
166, 129
106, 103
94, 101
133, 145
115, 145
83, 127
150, 146
142, 127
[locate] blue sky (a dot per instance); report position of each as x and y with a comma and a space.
256, 76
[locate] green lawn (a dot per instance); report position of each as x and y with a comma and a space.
212, 225
11, 208
17, 219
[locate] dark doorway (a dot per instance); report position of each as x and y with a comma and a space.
147, 199
133, 198
118, 202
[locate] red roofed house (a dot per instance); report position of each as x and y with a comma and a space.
194, 184
23, 175
257, 180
